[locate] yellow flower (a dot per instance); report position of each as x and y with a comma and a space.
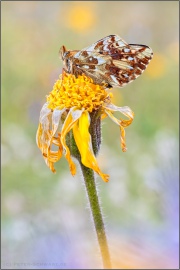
68, 108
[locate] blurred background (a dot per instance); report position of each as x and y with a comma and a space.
45, 216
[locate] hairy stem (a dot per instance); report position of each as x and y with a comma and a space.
90, 184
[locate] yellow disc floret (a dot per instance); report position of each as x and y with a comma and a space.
79, 92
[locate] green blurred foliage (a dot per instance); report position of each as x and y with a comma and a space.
32, 33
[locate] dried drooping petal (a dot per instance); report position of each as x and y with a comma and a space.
109, 108
84, 144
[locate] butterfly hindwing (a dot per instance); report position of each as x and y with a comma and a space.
112, 61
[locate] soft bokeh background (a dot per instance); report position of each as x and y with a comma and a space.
45, 217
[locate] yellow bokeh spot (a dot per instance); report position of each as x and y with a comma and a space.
81, 17
157, 67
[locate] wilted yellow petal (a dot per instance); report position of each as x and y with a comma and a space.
124, 110
122, 123
45, 137
53, 156
44, 146
71, 119
84, 144
123, 143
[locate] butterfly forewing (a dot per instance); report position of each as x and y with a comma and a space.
112, 61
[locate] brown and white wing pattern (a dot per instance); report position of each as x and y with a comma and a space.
112, 61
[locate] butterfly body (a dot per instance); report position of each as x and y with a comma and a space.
110, 61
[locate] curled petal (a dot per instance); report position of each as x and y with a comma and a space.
46, 138
83, 141
45, 111
121, 123
124, 110
70, 121
123, 142
43, 134
53, 156
56, 117
42, 139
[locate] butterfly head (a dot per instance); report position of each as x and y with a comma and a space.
66, 58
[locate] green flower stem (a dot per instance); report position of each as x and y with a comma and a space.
89, 179
90, 184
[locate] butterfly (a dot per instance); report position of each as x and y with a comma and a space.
110, 61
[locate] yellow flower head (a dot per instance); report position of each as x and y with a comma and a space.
79, 92
68, 108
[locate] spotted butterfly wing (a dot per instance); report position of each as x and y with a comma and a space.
110, 61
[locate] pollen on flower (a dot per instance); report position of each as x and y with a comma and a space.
79, 92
